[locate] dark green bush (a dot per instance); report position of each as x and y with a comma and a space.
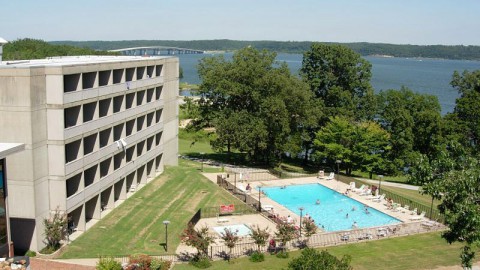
257, 257
30, 253
282, 255
201, 262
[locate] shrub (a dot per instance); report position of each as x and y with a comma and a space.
260, 236
142, 261
201, 262
108, 263
30, 253
158, 264
257, 257
199, 239
282, 254
312, 259
55, 230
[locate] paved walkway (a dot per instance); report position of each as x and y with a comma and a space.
390, 184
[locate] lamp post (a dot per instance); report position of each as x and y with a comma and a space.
202, 154
259, 203
166, 222
338, 161
379, 183
301, 217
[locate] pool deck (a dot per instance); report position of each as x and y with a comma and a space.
281, 211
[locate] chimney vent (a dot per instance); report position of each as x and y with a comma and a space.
2, 42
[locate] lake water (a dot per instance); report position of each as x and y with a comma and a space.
426, 76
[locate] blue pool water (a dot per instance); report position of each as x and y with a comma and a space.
241, 229
335, 212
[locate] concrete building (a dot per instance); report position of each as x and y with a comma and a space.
6, 149
95, 129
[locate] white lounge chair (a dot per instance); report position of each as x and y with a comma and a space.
366, 192
331, 176
242, 188
352, 185
267, 207
413, 212
361, 188
404, 209
379, 199
419, 217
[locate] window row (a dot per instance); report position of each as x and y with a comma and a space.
87, 80
93, 142
87, 112
109, 165
109, 196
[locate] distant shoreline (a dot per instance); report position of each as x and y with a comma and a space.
381, 55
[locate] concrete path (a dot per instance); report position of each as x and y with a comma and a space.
390, 184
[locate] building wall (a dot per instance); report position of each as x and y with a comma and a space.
94, 132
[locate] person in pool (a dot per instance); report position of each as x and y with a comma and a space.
317, 202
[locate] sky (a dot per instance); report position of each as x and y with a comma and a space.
421, 22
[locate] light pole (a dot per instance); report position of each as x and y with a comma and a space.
166, 222
259, 203
202, 154
301, 216
379, 183
338, 161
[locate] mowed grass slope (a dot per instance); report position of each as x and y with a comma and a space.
136, 226
423, 251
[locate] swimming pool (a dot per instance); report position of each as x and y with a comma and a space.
335, 212
241, 229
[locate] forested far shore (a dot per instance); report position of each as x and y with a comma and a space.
462, 52
23, 49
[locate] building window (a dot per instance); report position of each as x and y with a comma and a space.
117, 75
104, 77
72, 116
88, 79
70, 82
72, 150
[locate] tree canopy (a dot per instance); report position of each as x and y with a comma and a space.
340, 78
27, 48
253, 102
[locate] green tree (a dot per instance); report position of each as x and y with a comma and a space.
55, 229
358, 145
285, 232
414, 123
467, 107
309, 228
341, 79
314, 260
199, 239
260, 236
231, 238
23, 49
254, 103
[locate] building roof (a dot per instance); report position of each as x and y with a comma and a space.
76, 60
3, 41
10, 148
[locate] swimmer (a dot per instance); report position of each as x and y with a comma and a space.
354, 208
346, 216
317, 202
354, 225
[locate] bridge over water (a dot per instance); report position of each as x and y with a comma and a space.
156, 50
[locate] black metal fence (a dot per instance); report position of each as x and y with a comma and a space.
430, 212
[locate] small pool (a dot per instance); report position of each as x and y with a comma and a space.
335, 212
241, 229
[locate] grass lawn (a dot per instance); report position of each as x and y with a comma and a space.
136, 225
423, 251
